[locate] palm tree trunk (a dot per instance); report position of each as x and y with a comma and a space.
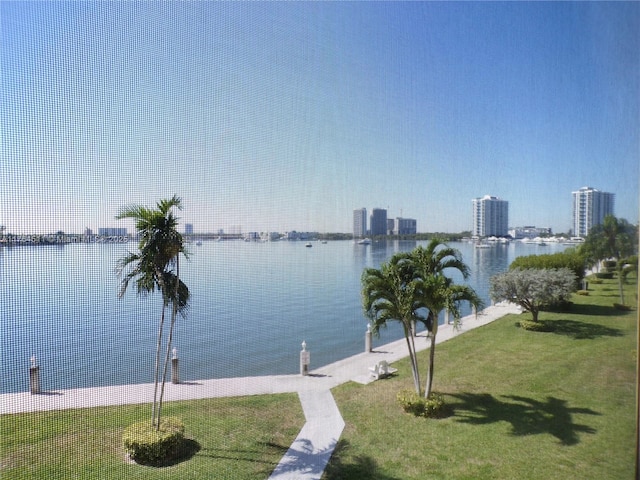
414, 360
154, 410
432, 357
174, 313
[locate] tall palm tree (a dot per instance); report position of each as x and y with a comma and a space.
155, 266
439, 292
391, 294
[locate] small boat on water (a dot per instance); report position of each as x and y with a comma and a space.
199, 243
308, 245
364, 241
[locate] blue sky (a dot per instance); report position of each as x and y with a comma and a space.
288, 116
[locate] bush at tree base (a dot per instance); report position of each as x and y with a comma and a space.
420, 406
147, 445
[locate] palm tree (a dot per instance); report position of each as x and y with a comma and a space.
156, 267
412, 287
439, 292
391, 294
612, 239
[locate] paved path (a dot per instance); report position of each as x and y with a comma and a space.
312, 449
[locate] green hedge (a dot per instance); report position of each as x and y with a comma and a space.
147, 445
570, 259
604, 275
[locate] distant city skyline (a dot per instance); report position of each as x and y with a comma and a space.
270, 116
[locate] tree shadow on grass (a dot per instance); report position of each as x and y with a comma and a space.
582, 330
527, 416
362, 467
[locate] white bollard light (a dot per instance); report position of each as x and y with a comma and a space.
175, 378
34, 376
367, 339
305, 358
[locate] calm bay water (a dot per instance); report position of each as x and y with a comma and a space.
252, 306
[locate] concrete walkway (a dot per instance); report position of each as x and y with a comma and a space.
312, 449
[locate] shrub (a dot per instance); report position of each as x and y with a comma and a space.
595, 280
431, 407
632, 261
146, 445
535, 326
604, 275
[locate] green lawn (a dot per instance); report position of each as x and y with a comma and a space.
525, 405
230, 438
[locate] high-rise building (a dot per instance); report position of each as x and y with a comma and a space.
359, 223
378, 222
590, 206
490, 217
188, 229
406, 226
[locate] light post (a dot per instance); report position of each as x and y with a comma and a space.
175, 378
34, 376
367, 339
305, 358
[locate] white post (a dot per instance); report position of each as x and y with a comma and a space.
34, 376
305, 358
175, 378
367, 339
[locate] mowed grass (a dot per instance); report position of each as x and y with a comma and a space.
524, 405
229, 438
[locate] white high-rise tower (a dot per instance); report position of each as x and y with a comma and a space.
590, 206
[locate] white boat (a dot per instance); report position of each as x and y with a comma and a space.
483, 245
574, 241
364, 241
308, 245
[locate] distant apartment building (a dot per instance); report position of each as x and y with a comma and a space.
405, 226
490, 217
529, 232
112, 232
378, 222
391, 223
590, 206
359, 223
188, 229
